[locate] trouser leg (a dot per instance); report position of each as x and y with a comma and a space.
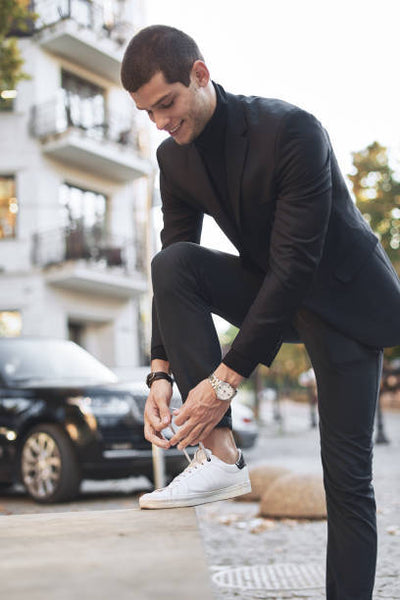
190, 283
348, 375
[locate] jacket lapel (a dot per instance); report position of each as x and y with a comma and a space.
203, 191
235, 152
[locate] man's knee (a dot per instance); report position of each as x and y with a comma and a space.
170, 263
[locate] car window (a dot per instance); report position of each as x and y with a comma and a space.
23, 361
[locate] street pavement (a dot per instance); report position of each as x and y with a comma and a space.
111, 548
250, 557
100, 555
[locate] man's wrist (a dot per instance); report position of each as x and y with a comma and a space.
157, 364
159, 371
227, 374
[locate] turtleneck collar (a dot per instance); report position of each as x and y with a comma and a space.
214, 132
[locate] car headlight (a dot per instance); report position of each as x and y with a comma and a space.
105, 405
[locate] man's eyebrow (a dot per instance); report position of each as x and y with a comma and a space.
159, 101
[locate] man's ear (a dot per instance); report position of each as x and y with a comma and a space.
200, 74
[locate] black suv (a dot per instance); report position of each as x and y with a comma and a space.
64, 417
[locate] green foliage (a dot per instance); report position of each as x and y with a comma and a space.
15, 18
291, 361
10, 64
284, 372
377, 194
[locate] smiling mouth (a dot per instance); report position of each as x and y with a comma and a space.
175, 129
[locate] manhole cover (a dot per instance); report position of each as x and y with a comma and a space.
272, 577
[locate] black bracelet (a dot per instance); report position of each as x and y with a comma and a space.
151, 377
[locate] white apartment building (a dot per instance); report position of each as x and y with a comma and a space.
74, 185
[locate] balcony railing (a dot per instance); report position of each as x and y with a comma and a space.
101, 18
56, 117
87, 244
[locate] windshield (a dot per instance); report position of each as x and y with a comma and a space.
23, 362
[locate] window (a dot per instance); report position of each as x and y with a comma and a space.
89, 14
10, 323
83, 208
84, 214
76, 332
8, 207
84, 104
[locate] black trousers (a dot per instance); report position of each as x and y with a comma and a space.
190, 283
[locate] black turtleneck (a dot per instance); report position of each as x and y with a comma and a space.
211, 146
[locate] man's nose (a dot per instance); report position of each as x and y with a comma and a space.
161, 121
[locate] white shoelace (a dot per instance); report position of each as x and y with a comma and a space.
201, 456
201, 445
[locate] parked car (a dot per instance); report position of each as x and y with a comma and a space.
65, 417
244, 425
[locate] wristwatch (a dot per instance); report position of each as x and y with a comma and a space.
154, 375
224, 390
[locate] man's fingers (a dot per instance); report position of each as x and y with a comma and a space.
154, 437
186, 432
163, 418
182, 432
193, 438
158, 413
165, 415
154, 419
183, 415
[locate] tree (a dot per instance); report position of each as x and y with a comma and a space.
377, 194
15, 20
284, 372
290, 362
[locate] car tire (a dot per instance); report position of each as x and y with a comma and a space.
49, 469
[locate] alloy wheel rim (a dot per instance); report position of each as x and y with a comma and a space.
41, 464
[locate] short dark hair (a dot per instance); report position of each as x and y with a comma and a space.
158, 48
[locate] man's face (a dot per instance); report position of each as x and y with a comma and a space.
181, 111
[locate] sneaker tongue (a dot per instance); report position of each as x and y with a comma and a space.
202, 454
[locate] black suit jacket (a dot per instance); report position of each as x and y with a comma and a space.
291, 218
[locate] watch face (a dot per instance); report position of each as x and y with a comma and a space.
225, 391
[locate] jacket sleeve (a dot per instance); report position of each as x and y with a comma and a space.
182, 223
303, 205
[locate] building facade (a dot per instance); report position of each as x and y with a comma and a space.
74, 185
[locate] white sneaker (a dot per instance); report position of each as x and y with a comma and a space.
206, 479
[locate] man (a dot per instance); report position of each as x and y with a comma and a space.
309, 268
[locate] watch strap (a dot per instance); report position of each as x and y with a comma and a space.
154, 375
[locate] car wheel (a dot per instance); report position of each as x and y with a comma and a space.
48, 465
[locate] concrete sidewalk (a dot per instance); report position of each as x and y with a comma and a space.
121, 554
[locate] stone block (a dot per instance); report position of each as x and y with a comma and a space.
295, 496
261, 478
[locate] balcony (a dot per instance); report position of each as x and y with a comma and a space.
87, 33
86, 260
109, 147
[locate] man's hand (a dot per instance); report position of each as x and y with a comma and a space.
156, 412
198, 416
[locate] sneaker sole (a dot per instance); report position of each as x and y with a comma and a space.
224, 494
